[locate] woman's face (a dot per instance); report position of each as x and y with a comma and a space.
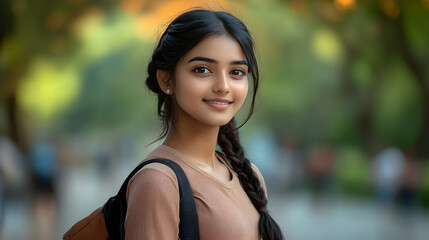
210, 82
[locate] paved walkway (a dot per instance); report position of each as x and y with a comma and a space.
303, 218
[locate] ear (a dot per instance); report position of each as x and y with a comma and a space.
163, 78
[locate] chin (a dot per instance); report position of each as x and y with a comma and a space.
215, 120
219, 123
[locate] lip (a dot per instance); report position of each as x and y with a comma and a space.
218, 103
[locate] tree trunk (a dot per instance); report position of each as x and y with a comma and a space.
422, 141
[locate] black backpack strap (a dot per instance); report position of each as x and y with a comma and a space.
188, 226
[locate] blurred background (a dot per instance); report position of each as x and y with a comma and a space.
340, 132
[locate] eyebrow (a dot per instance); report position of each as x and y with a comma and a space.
210, 60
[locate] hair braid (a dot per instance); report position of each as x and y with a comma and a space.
229, 142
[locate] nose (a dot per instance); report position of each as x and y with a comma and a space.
221, 84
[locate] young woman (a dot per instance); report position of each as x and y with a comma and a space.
200, 71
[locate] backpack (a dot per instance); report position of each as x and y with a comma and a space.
107, 222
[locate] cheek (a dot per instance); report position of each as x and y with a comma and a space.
188, 89
181, 84
241, 91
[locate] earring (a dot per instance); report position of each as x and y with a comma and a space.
168, 91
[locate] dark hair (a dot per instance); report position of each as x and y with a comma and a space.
181, 35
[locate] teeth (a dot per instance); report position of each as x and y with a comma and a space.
215, 102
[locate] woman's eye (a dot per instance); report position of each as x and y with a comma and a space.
201, 70
238, 73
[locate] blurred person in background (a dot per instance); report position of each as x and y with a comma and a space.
290, 167
320, 170
387, 167
43, 158
13, 180
410, 182
199, 72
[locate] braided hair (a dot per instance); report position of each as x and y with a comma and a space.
181, 35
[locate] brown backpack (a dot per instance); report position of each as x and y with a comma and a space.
107, 222
92, 227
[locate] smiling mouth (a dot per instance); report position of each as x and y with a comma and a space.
216, 102
219, 105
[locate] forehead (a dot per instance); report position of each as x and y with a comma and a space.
223, 48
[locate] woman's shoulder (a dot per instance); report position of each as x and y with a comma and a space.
154, 176
156, 170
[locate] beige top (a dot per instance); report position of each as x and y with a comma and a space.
224, 209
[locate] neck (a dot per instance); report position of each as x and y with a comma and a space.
195, 141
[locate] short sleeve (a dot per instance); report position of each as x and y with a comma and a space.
153, 204
261, 179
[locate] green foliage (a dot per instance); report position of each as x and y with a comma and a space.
343, 81
113, 94
398, 113
340, 78
353, 171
